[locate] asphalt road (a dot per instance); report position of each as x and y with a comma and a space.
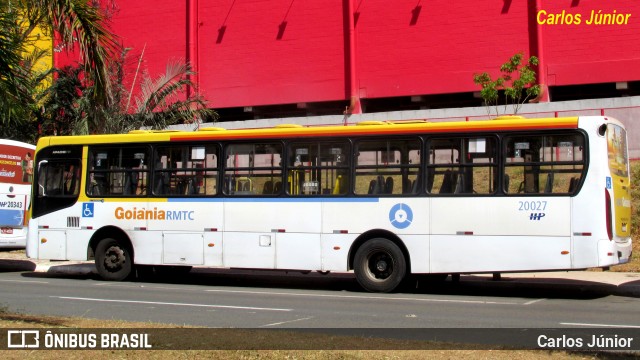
264, 300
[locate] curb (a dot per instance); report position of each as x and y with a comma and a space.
70, 269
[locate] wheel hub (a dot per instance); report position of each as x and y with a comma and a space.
381, 265
115, 257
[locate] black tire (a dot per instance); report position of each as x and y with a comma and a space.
113, 260
380, 265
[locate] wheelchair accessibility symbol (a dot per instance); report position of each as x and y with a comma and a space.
87, 210
401, 216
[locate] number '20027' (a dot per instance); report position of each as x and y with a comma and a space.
532, 205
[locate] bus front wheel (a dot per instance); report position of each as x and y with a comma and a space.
113, 260
380, 265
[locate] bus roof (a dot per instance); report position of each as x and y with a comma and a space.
16, 144
368, 128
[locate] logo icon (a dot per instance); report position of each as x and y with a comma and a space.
609, 182
21, 339
401, 216
87, 209
536, 216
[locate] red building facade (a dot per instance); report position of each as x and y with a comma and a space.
329, 54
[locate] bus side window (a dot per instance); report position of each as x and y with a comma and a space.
317, 168
250, 168
549, 164
387, 167
185, 170
462, 166
117, 171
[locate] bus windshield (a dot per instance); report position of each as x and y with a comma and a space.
617, 150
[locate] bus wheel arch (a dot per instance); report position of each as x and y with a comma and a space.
380, 261
112, 251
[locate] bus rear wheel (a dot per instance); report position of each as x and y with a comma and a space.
113, 260
380, 265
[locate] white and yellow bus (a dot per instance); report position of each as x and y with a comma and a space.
381, 199
16, 173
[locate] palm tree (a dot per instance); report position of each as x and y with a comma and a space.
12, 81
87, 99
163, 101
78, 23
20, 77
160, 102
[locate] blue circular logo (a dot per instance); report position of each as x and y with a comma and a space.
401, 216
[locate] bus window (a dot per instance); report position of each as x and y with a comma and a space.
253, 169
462, 166
186, 170
387, 167
318, 168
118, 171
549, 164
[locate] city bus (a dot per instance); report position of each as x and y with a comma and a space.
382, 200
16, 174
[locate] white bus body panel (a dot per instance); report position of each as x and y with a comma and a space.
213, 249
182, 248
298, 251
53, 244
472, 236
272, 233
456, 254
147, 247
335, 251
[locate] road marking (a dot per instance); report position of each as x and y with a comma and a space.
603, 325
143, 286
316, 295
287, 322
26, 281
533, 301
171, 304
364, 297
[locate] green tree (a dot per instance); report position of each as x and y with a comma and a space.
164, 101
516, 85
78, 23
18, 80
81, 25
160, 102
89, 98
61, 102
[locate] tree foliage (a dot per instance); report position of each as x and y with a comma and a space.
20, 80
515, 85
87, 98
78, 23
160, 102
